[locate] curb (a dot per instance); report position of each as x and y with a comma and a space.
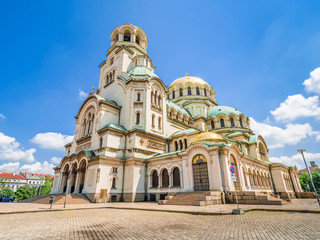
169, 211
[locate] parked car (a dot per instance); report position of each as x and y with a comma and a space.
5, 198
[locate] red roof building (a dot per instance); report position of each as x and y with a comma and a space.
39, 175
11, 175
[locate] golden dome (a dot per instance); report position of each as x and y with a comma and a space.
209, 136
188, 80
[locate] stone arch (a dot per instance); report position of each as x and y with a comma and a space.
164, 177
154, 178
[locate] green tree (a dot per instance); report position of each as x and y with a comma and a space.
46, 188
3, 183
24, 192
305, 180
7, 191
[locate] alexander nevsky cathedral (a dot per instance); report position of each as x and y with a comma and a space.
137, 139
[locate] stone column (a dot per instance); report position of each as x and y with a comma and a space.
170, 179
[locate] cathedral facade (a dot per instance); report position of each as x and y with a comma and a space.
137, 139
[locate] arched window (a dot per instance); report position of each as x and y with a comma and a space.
205, 92
101, 142
173, 94
138, 97
165, 178
180, 92
198, 91
89, 123
155, 179
176, 145
212, 124
176, 177
232, 122
111, 79
153, 119
127, 37
137, 40
114, 182
138, 119
181, 144
221, 122
189, 90
155, 97
151, 97
185, 143
159, 99
241, 124
159, 122
84, 127
113, 75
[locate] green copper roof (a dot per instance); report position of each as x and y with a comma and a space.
89, 153
165, 154
114, 126
178, 108
109, 101
142, 70
253, 138
226, 110
187, 131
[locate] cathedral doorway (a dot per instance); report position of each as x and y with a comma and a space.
200, 173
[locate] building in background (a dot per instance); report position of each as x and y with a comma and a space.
312, 168
13, 180
34, 180
137, 139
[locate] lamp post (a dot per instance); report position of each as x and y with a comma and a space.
315, 190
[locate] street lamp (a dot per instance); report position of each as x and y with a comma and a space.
315, 190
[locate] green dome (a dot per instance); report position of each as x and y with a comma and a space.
142, 70
226, 110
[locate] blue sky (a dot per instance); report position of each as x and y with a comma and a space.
255, 54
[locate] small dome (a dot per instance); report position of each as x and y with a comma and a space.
209, 136
188, 80
226, 110
141, 71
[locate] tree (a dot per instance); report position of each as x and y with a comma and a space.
3, 183
24, 192
45, 189
305, 181
7, 191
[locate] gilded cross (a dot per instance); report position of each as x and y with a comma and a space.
186, 74
92, 89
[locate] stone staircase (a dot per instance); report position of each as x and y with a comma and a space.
74, 198
193, 198
259, 198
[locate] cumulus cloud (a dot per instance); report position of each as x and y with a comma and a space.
51, 140
297, 159
10, 150
38, 167
9, 167
55, 160
2, 116
312, 84
277, 137
297, 106
82, 94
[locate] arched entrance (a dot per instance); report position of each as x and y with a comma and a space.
200, 173
82, 174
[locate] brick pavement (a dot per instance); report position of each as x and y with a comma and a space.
124, 224
296, 205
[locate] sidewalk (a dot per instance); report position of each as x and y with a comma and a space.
297, 205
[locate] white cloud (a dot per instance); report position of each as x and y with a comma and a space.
55, 160
51, 140
82, 94
297, 159
277, 137
312, 84
10, 150
9, 167
2, 116
38, 167
297, 106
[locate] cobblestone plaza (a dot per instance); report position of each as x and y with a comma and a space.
132, 224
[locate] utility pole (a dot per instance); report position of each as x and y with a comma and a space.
315, 190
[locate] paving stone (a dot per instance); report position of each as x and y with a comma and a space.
131, 224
